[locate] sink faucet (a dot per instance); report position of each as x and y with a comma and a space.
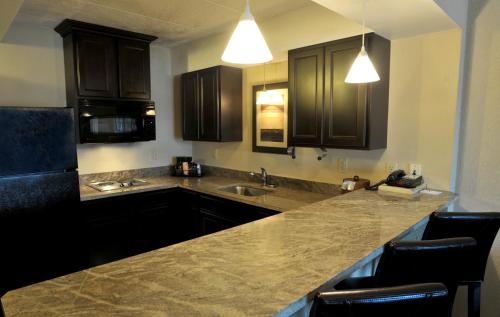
264, 177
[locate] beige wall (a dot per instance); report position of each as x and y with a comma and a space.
478, 174
424, 74
305, 26
32, 74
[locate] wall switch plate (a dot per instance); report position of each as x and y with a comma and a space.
415, 169
154, 155
342, 165
391, 167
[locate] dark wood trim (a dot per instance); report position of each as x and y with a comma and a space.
68, 26
265, 149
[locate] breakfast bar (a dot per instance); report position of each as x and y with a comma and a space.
270, 267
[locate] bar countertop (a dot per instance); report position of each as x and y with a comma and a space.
270, 267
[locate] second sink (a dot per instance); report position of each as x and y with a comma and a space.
245, 190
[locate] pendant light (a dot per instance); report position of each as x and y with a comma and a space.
266, 97
247, 45
362, 70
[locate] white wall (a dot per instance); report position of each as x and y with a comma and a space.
478, 172
32, 74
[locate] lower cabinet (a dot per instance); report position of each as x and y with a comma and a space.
217, 214
210, 222
119, 227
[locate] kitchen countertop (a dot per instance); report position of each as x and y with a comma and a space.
270, 267
281, 198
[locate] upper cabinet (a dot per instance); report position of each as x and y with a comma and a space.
305, 108
104, 62
133, 69
324, 111
212, 104
96, 65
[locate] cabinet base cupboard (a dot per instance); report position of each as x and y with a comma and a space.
212, 104
324, 111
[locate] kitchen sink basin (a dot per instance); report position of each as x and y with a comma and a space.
244, 190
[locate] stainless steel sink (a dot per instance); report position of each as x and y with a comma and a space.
112, 185
245, 190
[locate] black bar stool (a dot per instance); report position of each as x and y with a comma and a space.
429, 300
482, 226
410, 262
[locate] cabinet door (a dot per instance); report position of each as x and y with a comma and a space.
345, 104
150, 228
306, 96
209, 104
134, 69
96, 65
190, 106
211, 222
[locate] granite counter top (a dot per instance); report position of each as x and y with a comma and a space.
281, 198
270, 267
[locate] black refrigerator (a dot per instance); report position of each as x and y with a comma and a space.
40, 221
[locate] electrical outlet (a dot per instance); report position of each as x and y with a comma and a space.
415, 169
216, 153
342, 165
391, 167
154, 155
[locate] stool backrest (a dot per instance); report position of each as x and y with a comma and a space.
409, 262
429, 300
482, 226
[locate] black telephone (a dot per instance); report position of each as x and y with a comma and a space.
394, 177
398, 179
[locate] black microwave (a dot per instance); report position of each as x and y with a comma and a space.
104, 121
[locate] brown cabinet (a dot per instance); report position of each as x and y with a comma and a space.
134, 70
212, 104
102, 62
326, 111
190, 109
96, 65
306, 96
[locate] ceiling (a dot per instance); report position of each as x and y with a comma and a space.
8, 10
396, 18
173, 21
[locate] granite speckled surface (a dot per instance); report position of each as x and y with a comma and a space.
270, 267
281, 198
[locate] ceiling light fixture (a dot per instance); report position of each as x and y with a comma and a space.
362, 70
247, 45
269, 97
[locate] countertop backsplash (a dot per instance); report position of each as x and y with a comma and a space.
244, 176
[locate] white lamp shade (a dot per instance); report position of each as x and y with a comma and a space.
247, 45
362, 70
270, 97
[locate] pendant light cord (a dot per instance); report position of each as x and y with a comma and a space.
364, 14
264, 75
